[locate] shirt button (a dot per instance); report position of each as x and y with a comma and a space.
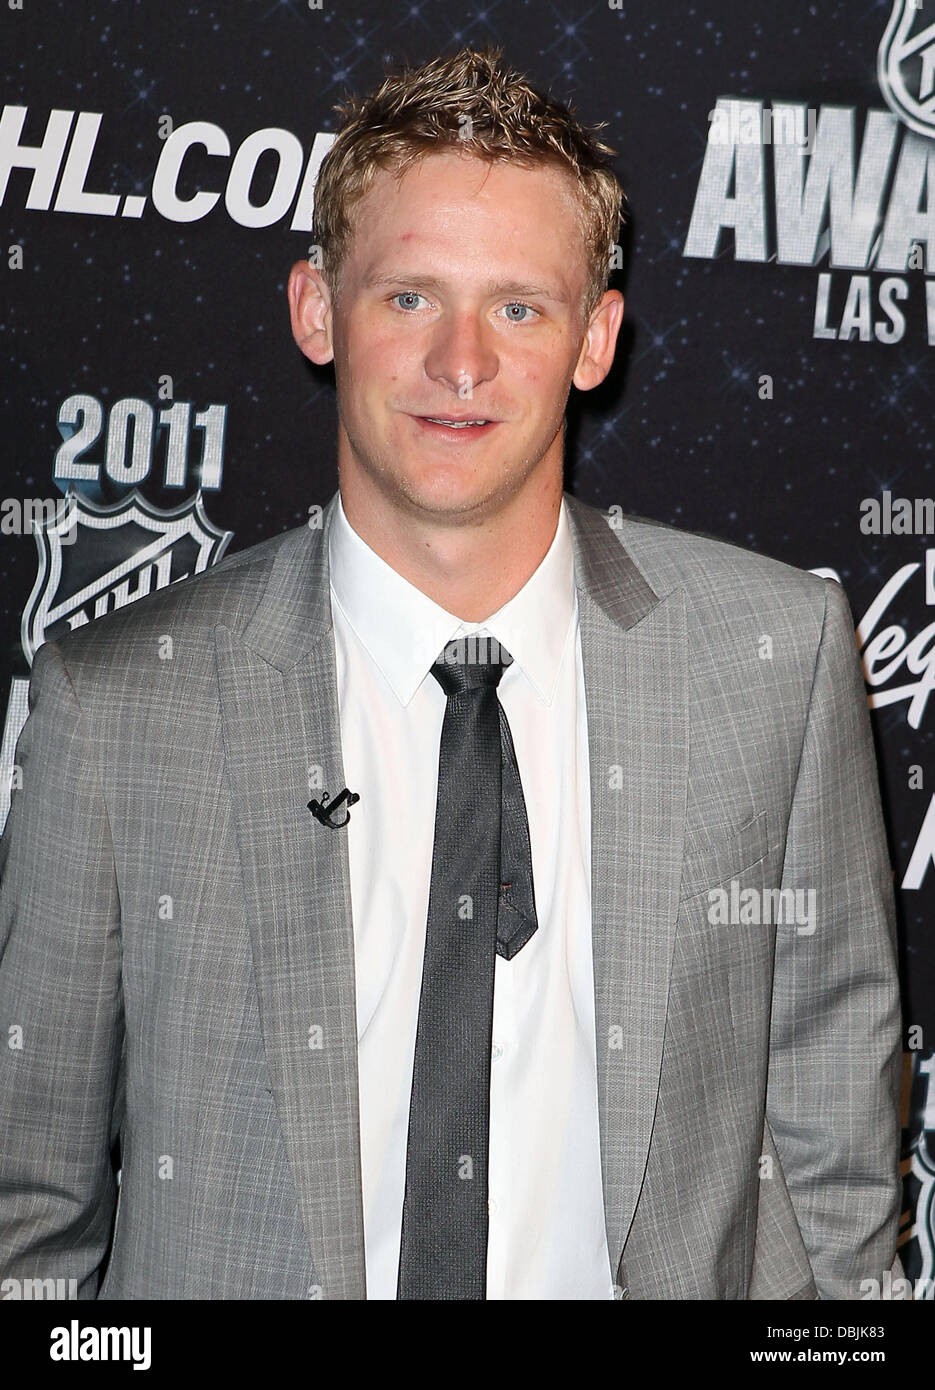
492, 1206
496, 1051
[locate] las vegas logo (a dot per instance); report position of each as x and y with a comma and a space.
798, 185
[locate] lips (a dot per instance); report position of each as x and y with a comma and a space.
454, 426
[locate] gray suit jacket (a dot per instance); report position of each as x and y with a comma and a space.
174, 922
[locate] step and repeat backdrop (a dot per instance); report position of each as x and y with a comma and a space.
774, 383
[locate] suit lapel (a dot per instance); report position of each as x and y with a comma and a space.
633, 648
280, 717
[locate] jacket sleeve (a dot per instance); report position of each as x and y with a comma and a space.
61, 1003
835, 1040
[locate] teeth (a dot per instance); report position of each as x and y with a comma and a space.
453, 424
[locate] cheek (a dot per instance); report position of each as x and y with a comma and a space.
541, 376
370, 365
385, 360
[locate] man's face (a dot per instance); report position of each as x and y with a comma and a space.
460, 297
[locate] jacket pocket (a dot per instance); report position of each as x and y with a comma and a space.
712, 863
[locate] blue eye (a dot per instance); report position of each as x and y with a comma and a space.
406, 294
518, 304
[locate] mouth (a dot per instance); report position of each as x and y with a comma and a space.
454, 426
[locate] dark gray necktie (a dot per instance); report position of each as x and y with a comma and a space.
481, 902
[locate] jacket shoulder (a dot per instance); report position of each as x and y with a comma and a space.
732, 596
226, 593
704, 565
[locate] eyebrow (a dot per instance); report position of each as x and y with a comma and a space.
493, 289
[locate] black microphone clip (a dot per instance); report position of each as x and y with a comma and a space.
323, 812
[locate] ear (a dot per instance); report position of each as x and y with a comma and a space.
310, 307
600, 341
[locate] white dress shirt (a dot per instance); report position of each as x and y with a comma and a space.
547, 1237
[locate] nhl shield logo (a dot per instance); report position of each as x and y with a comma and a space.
906, 67
136, 549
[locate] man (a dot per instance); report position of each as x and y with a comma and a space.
575, 977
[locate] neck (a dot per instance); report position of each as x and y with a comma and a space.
470, 568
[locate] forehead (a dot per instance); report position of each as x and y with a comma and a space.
462, 212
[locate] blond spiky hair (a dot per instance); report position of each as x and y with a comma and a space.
472, 104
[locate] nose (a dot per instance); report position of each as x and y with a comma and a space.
461, 353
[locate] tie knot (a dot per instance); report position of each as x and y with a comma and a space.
470, 663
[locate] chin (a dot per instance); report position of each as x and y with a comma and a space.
474, 498
444, 499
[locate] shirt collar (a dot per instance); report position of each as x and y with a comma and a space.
404, 630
